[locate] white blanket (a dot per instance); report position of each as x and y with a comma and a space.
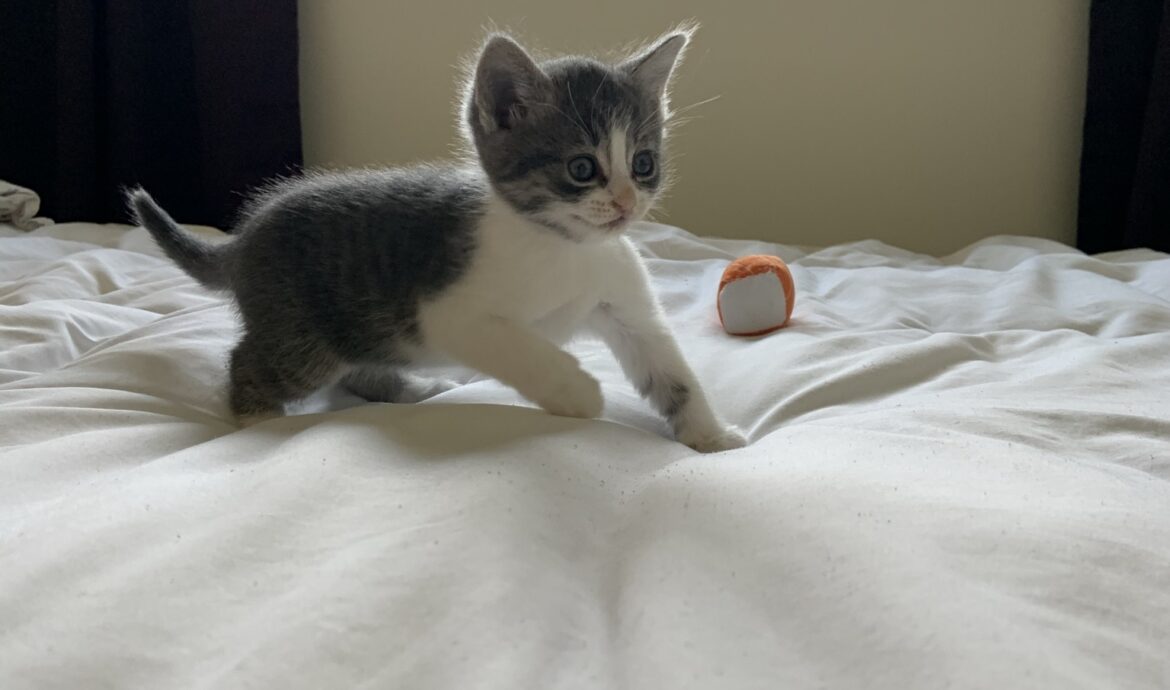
19, 206
959, 477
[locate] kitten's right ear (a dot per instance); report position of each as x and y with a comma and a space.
652, 69
507, 83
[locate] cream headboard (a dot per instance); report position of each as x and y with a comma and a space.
924, 123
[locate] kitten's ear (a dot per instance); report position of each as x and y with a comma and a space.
507, 83
651, 69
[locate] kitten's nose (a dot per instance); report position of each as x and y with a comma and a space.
625, 198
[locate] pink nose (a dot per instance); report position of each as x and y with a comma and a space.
625, 199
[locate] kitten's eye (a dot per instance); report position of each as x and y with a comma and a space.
583, 168
644, 164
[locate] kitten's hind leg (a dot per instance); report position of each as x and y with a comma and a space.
386, 384
266, 376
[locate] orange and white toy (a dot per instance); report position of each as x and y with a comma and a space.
756, 295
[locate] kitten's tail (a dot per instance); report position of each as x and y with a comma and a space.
203, 261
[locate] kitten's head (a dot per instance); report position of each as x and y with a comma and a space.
574, 144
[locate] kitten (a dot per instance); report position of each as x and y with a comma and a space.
353, 276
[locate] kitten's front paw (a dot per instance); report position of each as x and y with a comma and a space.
576, 395
726, 438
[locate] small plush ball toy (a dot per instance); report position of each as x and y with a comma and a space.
756, 295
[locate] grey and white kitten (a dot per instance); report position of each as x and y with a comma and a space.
494, 263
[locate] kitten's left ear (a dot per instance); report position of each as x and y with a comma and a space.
651, 69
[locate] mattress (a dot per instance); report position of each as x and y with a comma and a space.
958, 476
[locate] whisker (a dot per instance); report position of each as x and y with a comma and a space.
696, 105
672, 117
683, 121
593, 101
566, 116
644, 122
575, 110
672, 123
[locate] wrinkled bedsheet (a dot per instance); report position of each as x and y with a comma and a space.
959, 476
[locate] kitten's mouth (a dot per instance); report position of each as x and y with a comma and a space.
608, 226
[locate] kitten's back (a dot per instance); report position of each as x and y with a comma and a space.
352, 254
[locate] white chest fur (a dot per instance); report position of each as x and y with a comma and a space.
528, 274
525, 272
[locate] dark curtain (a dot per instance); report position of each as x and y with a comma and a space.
1125, 163
194, 99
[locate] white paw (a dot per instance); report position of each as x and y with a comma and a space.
726, 438
577, 394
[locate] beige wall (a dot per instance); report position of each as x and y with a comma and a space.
924, 123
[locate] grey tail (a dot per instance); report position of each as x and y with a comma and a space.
203, 261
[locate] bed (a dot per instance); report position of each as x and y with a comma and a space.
958, 476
